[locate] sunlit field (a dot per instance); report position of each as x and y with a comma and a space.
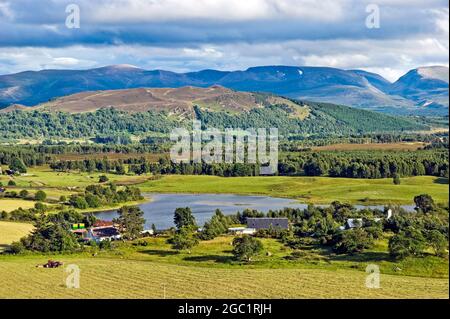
317, 190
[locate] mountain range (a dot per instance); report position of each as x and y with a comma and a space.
422, 91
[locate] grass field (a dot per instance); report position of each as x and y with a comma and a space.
317, 190
43, 177
10, 232
56, 184
156, 271
8, 205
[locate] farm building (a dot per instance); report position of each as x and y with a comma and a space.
267, 223
104, 233
242, 230
100, 232
355, 223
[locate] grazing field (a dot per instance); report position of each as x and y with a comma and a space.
156, 271
8, 205
316, 190
43, 177
10, 232
403, 146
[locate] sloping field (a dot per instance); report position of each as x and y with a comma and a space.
116, 278
10, 232
176, 100
8, 205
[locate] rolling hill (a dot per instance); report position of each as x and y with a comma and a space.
142, 111
418, 92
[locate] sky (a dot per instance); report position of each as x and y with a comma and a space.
192, 35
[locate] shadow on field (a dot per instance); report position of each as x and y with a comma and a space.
161, 253
441, 180
370, 256
210, 258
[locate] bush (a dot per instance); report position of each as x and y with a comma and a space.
103, 179
40, 207
16, 248
24, 193
4, 215
105, 245
78, 202
184, 239
50, 237
18, 166
396, 179
438, 242
40, 196
11, 183
352, 241
408, 242
246, 247
424, 203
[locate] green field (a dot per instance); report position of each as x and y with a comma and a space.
57, 184
156, 271
316, 190
10, 232
43, 177
8, 205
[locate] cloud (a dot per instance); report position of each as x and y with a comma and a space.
186, 35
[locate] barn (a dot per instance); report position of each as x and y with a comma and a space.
267, 223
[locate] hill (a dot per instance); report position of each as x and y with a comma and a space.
143, 111
427, 86
322, 84
178, 101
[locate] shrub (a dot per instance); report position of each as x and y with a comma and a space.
246, 247
40, 196
352, 241
103, 179
408, 242
184, 239
24, 193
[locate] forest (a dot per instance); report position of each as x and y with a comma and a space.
108, 123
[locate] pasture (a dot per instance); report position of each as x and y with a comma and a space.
9, 205
10, 232
156, 271
315, 190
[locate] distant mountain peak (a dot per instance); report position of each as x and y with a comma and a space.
435, 72
122, 67
422, 86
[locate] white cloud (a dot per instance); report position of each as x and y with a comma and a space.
5, 10
226, 10
189, 35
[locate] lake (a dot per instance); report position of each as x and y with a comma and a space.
160, 209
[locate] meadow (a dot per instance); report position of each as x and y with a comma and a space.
315, 190
156, 271
10, 232
9, 205
56, 184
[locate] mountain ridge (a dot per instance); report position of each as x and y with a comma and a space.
412, 93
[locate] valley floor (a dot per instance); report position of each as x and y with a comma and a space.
314, 190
